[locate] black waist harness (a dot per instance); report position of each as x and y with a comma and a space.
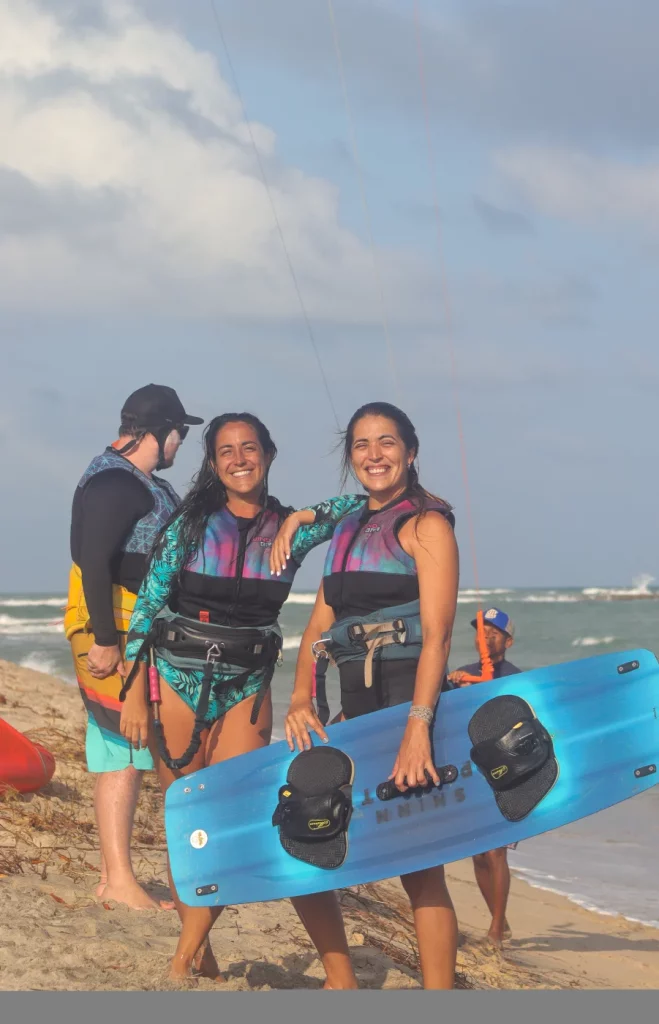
193, 644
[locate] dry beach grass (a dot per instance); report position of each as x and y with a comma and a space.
55, 935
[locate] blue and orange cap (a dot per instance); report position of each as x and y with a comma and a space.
502, 621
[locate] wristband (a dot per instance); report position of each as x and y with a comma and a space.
424, 713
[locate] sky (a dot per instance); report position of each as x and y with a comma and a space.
138, 243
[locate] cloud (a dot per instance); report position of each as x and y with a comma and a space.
566, 70
583, 188
68, 209
128, 177
499, 221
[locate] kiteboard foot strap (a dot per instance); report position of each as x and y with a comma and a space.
315, 807
515, 754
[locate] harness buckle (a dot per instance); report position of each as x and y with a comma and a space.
214, 652
356, 631
322, 653
400, 634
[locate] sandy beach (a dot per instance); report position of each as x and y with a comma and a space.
55, 935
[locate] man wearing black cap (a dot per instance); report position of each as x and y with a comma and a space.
491, 868
119, 507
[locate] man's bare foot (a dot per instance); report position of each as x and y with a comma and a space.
132, 895
100, 888
496, 937
499, 934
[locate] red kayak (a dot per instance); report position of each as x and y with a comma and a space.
24, 765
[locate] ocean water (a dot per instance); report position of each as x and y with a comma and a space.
606, 862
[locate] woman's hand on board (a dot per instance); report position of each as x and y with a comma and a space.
300, 719
414, 765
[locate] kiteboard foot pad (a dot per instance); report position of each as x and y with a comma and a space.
515, 754
315, 807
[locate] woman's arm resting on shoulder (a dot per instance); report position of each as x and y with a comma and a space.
302, 715
280, 551
306, 529
431, 542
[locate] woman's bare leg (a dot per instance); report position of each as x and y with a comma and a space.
321, 916
229, 737
196, 922
436, 926
232, 735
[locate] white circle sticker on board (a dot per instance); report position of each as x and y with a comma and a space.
198, 839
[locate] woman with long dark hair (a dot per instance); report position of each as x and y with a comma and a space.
394, 556
206, 618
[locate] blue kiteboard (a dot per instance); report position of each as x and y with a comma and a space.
600, 714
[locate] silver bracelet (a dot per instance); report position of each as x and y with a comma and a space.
424, 713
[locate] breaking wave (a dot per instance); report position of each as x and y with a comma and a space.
9, 626
32, 602
592, 641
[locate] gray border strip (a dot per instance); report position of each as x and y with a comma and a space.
317, 1007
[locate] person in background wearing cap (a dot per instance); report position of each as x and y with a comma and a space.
499, 636
119, 506
491, 868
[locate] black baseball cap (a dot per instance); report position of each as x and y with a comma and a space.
156, 406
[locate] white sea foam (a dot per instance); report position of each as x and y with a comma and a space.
10, 626
516, 597
592, 641
300, 598
39, 663
539, 881
640, 588
471, 596
469, 592
291, 643
531, 873
32, 602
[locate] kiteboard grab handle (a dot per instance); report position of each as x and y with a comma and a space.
389, 790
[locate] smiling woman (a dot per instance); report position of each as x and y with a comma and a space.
384, 613
206, 621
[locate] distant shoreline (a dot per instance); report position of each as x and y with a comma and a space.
19, 598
